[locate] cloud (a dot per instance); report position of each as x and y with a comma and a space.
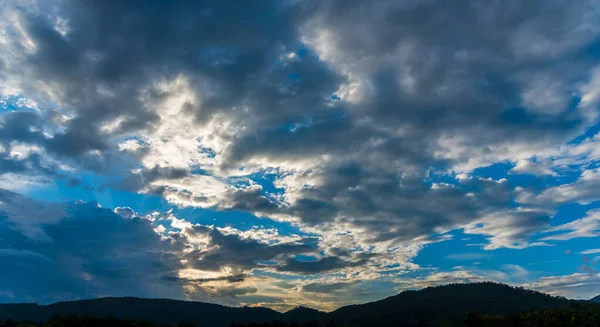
28, 216
357, 124
588, 226
583, 191
326, 288
578, 285
507, 273
203, 111
590, 251
321, 265
578, 156
534, 168
469, 256
233, 252
84, 250
87, 251
442, 278
511, 229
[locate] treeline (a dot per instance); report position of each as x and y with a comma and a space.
112, 321
88, 321
577, 314
279, 323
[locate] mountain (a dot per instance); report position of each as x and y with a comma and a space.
596, 299
303, 314
444, 304
448, 304
161, 311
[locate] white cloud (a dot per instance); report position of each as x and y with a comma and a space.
574, 286
545, 94
590, 251
583, 190
591, 95
588, 226
510, 229
527, 166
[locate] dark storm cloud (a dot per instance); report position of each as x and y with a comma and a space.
9, 165
327, 288
225, 294
32, 164
198, 281
90, 253
370, 119
121, 44
136, 181
234, 43
87, 251
390, 207
431, 70
322, 265
249, 199
449, 68
115, 51
73, 182
235, 252
21, 126
26, 127
76, 140
368, 100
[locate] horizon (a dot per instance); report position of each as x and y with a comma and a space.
300, 306
297, 152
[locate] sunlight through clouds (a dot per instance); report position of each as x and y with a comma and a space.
277, 153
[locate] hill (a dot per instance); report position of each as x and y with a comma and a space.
303, 314
161, 311
445, 304
596, 299
448, 305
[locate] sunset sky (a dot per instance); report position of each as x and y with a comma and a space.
278, 153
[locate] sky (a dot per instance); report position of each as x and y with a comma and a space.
297, 152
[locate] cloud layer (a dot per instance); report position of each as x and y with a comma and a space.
365, 130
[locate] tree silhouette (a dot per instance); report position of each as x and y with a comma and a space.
474, 319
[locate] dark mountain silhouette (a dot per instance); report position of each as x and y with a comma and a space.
303, 314
440, 305
596, 299
161, 311
445, 305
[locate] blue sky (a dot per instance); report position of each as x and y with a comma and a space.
284, 153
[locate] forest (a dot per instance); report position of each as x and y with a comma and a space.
460, 305
576, 314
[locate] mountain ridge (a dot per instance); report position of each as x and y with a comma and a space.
302, 314
428, 306
432, 305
